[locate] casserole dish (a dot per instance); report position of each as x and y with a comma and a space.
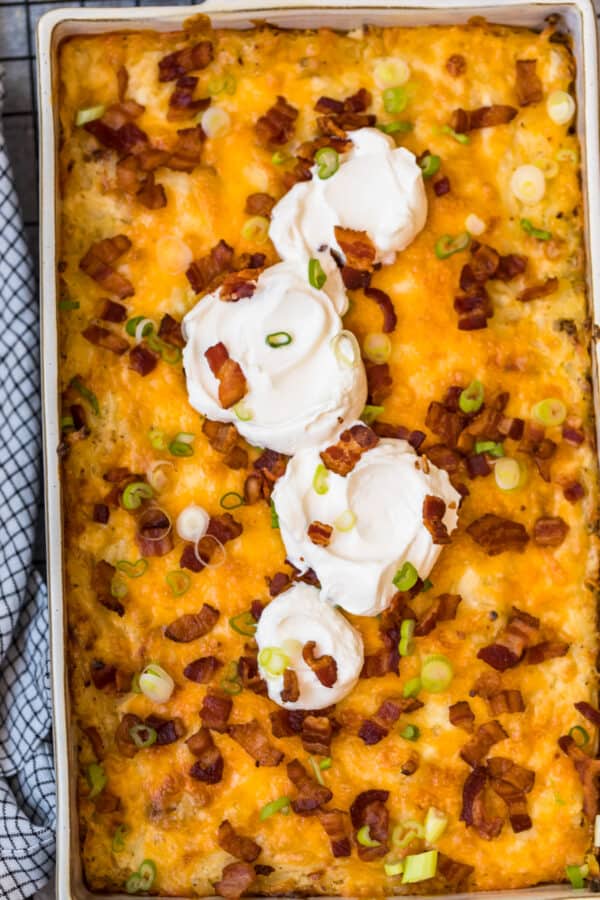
345, 19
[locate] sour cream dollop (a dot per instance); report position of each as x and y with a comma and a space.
290, 621
298, 394
378, 188
382, 500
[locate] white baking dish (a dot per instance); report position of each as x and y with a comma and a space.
578, 17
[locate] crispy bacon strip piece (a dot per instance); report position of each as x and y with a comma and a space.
336, 825
506, 701
495, 534
154, 535
167, 730
343, 456
277, 125
202, 670
232, 381
474, 813
291, 688
102, 577
587, 769
384, 302
545, 650
142, 359
248, 672
488, 734
105, 338
169, 331
311, 794
443, 609
529, 86
357, 247
445, 422
507, 650
589, 712
187, 152
324, 667
113, 312
123, 740
236, 844
369, 809
320, 534
536, 291
456, 65
215, 711
192, 626
259, 204
189, 59
209, 765
511, 782
550, 531
463, 120
379, 382
181, 102
434, 509
235, 879
252, 738
455, 875
204, 270
238, 285
462, 716
316, 734
279, 583
98, 264
337, 125
222, 436
150, 194
376, 728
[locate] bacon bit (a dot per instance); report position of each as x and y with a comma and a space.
510, 266
236, 459
587, 769
510, 645
311, 794
209, 767
441, 186
506, 702
324, 667
112, 312
354, 279
357, 247
263, 870
320, 534
369, 809
279, 583
259, 204
151, 195
235, 879
192, 626
97, 263
546, 650
187, 152
101, 583
456, 65
125, 137
464, 120
481, 743
550, 531
462, 716
142, 359
254, 741
336, 826
478, 466
473, 812
550, 286
221, 436
379, 382
443, 609
181, 102
511, 782
291, 688
232, 381
248, 671
167, 730
316, 734
384, 302
101, 513
102, 675
103, 337
588, 712
204, 270
343, 456
434, 509
202, 670
189, 560
375, 729
286, 722
496, 534
154, 536
454, 874
410, 764
337, 126
235, 844
215, 711
170, 332
529, 87
238, 285
328, 105
378, 664
271, 465
123, 740
179, 63
446, 423
573, 435
277, 125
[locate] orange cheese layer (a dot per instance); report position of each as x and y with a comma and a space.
527, 350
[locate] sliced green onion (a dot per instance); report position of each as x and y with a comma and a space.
244, 623
538, 233
410, 733
88, 114
577, 875
142, 735
436, 823
278, 339
406, 644
178, 581
231, 500
325, 763
420, 867
345, 521
404, 834
230, 682
181, 445
157, 439
274, 661
134, 493
579, 735
96, 778
471, 399
132, 327
147, 873
395, 99
68, 304
551, 411
377, 347
370, 413
278, 158
402, 127
393, 868
436, 674
391, 70
461, 138
560, 107
83, 391
328, 162
215, 85
275, 806
243, 412
118, 841
316, 769
345, 348
156, 684
406, 577
133, 884
363, 836
274, 516
316, 275
256, 230
492, 447
168, 353
427, 585
215, 121
508, 474
430, 165
66, 423
118, 588
449, 244
229, 83
412, 687
135, 683
133, 569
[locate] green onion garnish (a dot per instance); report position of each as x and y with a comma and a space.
231, 500
430, 165
377, 347
67, 423
133, 569
135, 683
436, 822
406, 644
408, 831
83, 391
278, 158
181, 445
256, 230
278, 339
118, 588
579, 735
96, 778
118, 841
134, 493
142, 735
471, 399
436, 674
157, 439
230, 682
242, 412
88, 114
244, 623
550, 412
229, 83
393, 868
406, 577
325, 763
280, 805
412, 687
178, 581
274, 516
68, 304
273, 660
328, 162
168, 353
395, 99
345, 521
420, 867
363, 836
132, 324
320, 480
370, 413
143, 879
577, 875
402, 127
410, 733
538, 233
427, 585
316, 275
316, 769
449, 244
461, 138
494, 448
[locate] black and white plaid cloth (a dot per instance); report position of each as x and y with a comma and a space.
27, 794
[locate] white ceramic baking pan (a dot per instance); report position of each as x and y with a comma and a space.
579, 20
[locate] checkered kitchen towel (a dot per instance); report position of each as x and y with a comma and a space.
27, 795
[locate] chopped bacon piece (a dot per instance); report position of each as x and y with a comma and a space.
286, 722
529, 86
102, 675
375, 729
123, 740
142, 359
236, 459
238, 285
154, 535
434, 509
202, 670
170, 332
343, 456
324, 667
102, 577
101, 513
536, 291
259, 204
474, 813
456, 65
311, 794
588, 712
181, 102
150, 194
113, 312
126, 139
254, 741
204, 270
454, 874
328, 105
379, 382
338, 125
263, 870
235, 879
167, 730
369, 809
481, 743
358, 248
496, 534
270, 465
103, 337
224, 528
222, 436
506, 701
354, 279
98, 261
446, 423
277, 125
235, 844
510, 266
550, 531
463, 120
587, 769
291, 688
462, 716
441, 186
187, 152
215, 711
336, 826
209, 765
189, 559
316, 734
573, 434
510, 645
410, 764
232, 381
384, 302
545, 650
320, 534
248, 671
189, 59
279, 583
511, 782
192, 626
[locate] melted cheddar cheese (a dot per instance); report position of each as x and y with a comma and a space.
531, 350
